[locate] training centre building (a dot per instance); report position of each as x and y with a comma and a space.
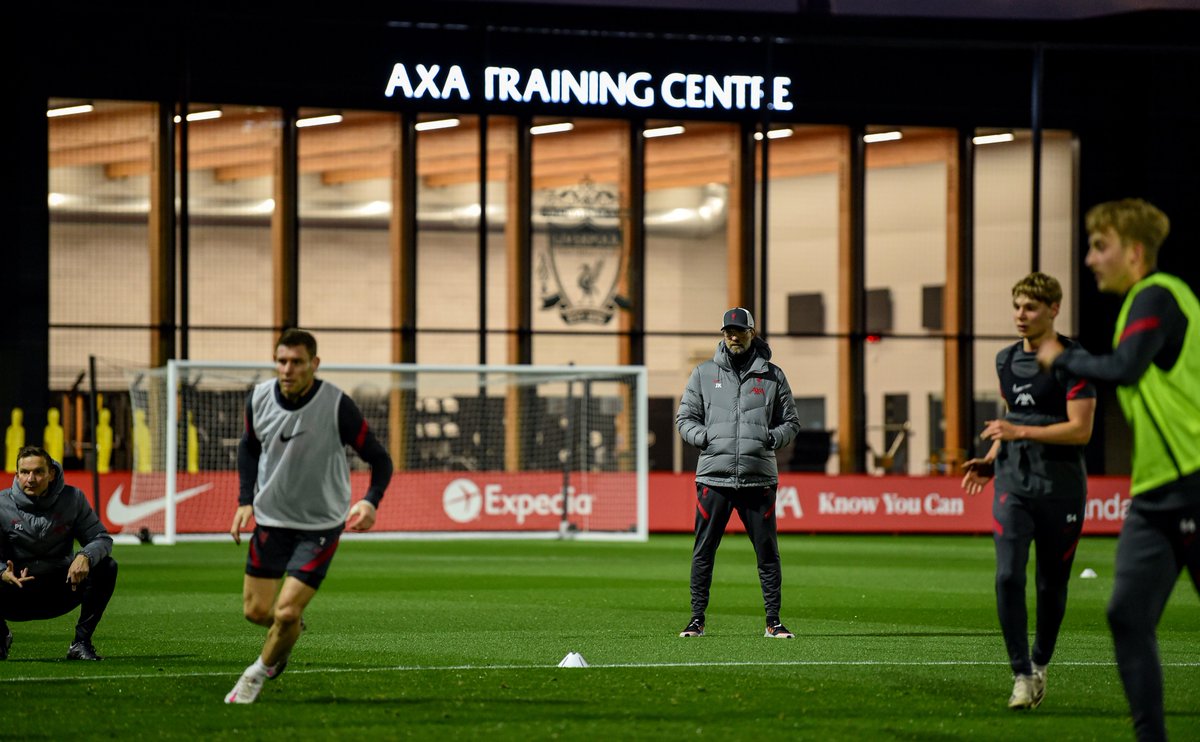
559, 183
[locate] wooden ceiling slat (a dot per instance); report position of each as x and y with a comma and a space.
239, 145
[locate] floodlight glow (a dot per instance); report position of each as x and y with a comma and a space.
882, 136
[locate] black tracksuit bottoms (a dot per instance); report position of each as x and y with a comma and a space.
1052, 526
49, 596
1155, 545
756, 507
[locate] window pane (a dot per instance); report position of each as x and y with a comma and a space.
579, 241
802, 274
448, 265
1003, 243
906, 222
231, 199
99, 236
688, 179
345, 194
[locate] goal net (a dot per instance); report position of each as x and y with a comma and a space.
478, 451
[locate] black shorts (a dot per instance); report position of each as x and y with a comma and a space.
304, 555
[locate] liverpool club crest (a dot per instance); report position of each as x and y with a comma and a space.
583, 265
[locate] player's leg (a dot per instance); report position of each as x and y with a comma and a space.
35, 601
94, 594
1012, 532
294, 597
258, 599
712, 515
16, 604
1060, 523
756, 508
50, 596
1146, 571
306, 570
266, 562
267, 558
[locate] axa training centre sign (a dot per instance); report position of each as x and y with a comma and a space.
682, 90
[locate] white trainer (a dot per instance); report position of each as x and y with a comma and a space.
248, 686
1039, 684
1023, 692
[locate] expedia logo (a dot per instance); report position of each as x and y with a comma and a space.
463, 501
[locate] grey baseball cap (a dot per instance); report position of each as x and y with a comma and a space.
738, 317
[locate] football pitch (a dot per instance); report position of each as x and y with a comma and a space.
897, 638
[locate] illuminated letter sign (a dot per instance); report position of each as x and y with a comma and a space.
686, 90
455, 82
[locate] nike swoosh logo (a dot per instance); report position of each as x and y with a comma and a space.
119, 513
1019, 389
285, 438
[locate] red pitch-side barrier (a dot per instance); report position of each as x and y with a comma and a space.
495, 501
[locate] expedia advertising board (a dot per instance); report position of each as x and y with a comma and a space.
500, 502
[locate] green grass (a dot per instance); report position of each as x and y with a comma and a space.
897, 639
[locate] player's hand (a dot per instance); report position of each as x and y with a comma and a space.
362, 516
1000, 430
241, 522
78, 571
1047, 352
978, 472
13, 578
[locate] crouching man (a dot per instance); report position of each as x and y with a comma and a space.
42, 574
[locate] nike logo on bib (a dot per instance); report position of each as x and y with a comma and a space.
285, 437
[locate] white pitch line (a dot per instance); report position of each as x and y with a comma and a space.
612, 665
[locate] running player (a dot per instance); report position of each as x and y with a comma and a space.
295, 483
1041, 484
1156, 364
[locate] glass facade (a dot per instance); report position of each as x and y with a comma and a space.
389, 260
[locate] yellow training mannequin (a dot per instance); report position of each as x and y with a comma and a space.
14, 438
52, 434
141, 442
104, 442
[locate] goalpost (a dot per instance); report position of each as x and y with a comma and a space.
478, 451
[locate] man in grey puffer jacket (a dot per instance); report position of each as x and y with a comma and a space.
42, 575
738, 410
